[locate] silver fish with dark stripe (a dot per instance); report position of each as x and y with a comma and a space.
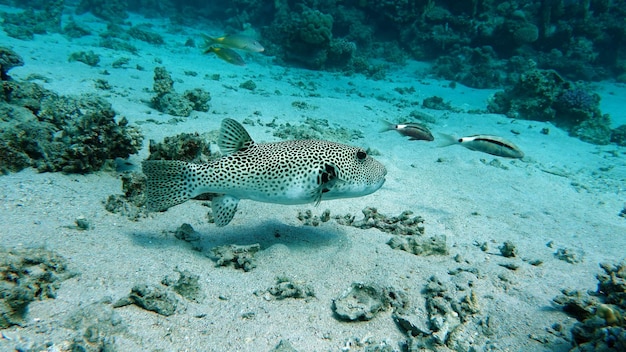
415, 131
485, 143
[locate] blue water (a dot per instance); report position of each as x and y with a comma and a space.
470, 246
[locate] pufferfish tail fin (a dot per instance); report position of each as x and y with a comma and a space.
169, 182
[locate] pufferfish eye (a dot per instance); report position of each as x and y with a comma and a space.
361, 155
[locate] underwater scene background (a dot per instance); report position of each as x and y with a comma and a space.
501, 223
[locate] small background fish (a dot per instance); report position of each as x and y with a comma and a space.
235, 41
485, 143
415, 131
226, 54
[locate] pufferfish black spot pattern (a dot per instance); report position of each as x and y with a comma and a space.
291, 172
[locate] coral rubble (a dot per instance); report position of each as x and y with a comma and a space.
25, 276
601, 315
241, 257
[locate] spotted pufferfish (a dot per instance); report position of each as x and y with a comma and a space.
290, 172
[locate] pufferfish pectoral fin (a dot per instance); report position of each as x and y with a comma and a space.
224, 208
326, 181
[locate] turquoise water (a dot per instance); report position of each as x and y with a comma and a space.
505, 232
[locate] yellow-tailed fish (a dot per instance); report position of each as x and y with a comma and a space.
493, 145
235, 41
415, 131
228, 55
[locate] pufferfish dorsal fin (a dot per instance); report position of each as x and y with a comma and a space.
233, 137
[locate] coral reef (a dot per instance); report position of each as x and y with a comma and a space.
27, 275
482, 44
249, 85
59, 133
618, 135
110, 10
305, 37
315, 27
170, 102
24, 25
569, 255
508, 249
74, 134
75, 30
544, 95
185, 232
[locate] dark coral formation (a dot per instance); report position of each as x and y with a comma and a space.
478, 43
8, 60
27, 275
544, 95
144, 34
87, 57
618, 136
39, 18
190, 147
167, 100
74, 134
110, 10
601, 315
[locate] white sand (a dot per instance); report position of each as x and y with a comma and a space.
557, 193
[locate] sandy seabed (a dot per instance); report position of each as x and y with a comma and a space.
565, 194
